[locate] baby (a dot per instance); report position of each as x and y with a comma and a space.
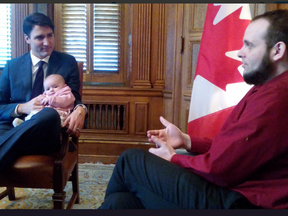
56, 95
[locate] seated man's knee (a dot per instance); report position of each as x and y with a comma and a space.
133, 151
48, 115
121, 200
131, 154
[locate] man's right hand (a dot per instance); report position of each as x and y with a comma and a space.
171, 135
27, 107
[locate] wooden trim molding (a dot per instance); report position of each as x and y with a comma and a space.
158, 45
141, 49
141, 118
19, 46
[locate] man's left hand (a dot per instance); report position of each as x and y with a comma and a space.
162, 149
75, 120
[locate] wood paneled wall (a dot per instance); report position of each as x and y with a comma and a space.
138, 105
135, 111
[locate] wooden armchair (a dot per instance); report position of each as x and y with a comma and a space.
47, 171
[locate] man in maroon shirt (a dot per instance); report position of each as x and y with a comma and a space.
244, 166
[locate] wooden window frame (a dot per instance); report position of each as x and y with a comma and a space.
18, 43
101, 79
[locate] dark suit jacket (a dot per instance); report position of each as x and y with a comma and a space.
16, 81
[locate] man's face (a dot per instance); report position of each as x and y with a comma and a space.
261, 74
41, 41
256, 61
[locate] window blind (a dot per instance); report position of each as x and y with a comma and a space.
5, 34
74, 31
105, 38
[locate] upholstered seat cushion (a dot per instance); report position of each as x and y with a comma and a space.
26, 169
35, 171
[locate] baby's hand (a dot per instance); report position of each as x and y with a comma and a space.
44, 101
39, 97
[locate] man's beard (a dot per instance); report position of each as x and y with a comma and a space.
262, 73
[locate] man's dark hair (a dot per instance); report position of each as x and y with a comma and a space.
278, 28
36, 19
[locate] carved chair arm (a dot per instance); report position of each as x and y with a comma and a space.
68, 143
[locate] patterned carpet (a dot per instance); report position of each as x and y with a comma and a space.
93, 179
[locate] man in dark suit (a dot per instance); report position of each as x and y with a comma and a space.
41, 134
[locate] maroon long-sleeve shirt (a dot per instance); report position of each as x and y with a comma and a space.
250, 153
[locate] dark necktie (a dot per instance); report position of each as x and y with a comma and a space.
38, 83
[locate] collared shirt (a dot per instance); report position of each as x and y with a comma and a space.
250, 153
35, 60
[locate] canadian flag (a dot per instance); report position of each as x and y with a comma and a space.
218, 84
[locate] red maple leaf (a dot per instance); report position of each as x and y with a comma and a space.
225, 36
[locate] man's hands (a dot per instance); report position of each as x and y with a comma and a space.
163, 150
167, 140
75, 120
33, 104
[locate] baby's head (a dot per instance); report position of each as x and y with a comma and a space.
53, 83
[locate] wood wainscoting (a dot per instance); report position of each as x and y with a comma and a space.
118, 119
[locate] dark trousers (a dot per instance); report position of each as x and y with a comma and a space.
143, 180
39, 135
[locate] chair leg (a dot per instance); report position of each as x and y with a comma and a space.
75, 188
75, 183
10, 192
59, 200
